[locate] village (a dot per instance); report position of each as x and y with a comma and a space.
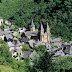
33, 37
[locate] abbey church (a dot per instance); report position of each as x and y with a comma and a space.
40, 34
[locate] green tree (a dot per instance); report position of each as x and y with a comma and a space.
6, 53
43, 64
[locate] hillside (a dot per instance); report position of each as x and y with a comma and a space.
7, 69
57, 12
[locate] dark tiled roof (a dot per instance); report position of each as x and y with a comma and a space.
26, 54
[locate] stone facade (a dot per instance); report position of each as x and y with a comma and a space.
32, 26
45, 37
1, 20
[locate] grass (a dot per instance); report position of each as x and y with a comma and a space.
4, 68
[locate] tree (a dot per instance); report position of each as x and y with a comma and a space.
40, 49
6, 53
43, 64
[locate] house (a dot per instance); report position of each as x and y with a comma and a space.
1, 20
48, 46
18, 45
38, 43
57, 44
59, 53
3, 33
17, 58
31, 43
32, 55
25, 40
7, 22
11, 46
12, 27
26, 54
55, 40
66, 49
19, 51
8, 38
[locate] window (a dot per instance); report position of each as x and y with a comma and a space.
17, 53
20, 53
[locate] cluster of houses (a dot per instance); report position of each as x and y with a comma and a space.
33, 37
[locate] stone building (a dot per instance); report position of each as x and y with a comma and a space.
1, 20
32, 26
44, 36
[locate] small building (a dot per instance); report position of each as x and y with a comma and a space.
1, 20
32, 55
11, 46
7, 22
19, 51
8, 38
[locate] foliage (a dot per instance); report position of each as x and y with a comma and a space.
19, 65
2, 59
26, 47
40, 49
56, 12
6, 53
64, 63
6, 68
1, 41
43, 64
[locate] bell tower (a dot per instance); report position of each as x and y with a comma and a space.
41, 33
48, 33
32, 26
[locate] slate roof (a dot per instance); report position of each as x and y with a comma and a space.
4, 32
70, 43
18, 51
34, 55
66, 49
28, 33
18, 43
38, 43
9, 36
59, 53
24, 39
12, 27
26, 54
10, 44
31, 43
7, 21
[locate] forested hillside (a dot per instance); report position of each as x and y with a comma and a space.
57, 12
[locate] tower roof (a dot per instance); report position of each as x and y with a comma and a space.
47, 29
41, 26
32, 22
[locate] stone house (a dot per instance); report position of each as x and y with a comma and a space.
7, 22
32, 55
1, 20
11, 46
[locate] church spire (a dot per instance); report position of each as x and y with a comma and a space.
47, 29
42, 29
32, 22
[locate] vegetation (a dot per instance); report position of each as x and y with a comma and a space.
6, 68
43, 64
56, 12
26, 48
40, 49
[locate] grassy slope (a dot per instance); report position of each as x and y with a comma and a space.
7, 69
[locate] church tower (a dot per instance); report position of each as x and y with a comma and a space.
48, 33
32, 26
45, 37
41, 33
